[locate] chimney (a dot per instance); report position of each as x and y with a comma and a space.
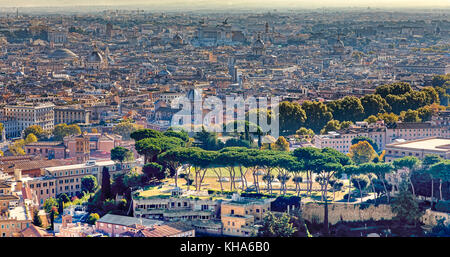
18, 174
19, 185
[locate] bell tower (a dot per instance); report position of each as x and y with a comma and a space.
82, 150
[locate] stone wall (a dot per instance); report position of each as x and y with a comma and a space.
336, 212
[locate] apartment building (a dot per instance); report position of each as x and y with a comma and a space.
342, 140
441, 119
419, 148
167, 97
17, 221
6, 197
380, 134
77, 147
209, 215
68, 177
175, 208
415, 130
57, 36
47, 149
17, 117
44, 187
71, 115
14, 213
114, 225
240, 215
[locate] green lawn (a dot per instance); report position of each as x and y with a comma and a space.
211, 182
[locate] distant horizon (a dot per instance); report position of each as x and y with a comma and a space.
228, 4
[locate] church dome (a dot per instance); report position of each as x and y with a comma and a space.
95, 56
339, 47
177, 37
164, 73
258, 43
339, 43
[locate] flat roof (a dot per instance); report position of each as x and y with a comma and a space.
430, 144
128, 221
80, 166
18, 213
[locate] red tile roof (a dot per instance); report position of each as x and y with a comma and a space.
155, 231
26, 193
34, 231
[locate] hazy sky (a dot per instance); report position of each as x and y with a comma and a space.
232, 3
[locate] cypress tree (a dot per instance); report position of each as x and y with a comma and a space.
36, 219
52, 220
60, 206
106, 184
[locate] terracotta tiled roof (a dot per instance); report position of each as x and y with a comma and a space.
47, 143
17, 158
9, 197
161, 231
9, 166
34, 231
26, 193
411, 125
156, 231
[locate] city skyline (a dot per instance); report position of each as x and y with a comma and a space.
252, 4
224, 119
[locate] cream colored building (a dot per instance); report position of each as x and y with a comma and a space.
18, 117
342, 140
419, 148
240, 215
68, 177
71, 115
